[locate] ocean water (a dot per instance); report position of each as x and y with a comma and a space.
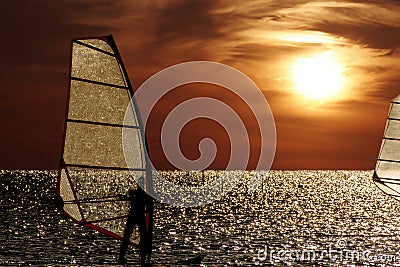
297, 218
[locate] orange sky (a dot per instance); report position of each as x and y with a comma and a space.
263, 39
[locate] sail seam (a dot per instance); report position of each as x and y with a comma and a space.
94, 48
385, 178
98, 83
103, 167
103, 124
75, 202
105, 220
99, 199
390, 182
391, 138
389, 160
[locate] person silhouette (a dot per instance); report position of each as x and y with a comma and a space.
141, 215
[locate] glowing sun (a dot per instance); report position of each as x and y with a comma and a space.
318, 77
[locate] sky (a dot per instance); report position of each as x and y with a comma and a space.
263, 39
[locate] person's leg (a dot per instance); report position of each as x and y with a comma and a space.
144, 240
130, 225
122, 251
142, 258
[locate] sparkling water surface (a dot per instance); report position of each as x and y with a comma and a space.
293, 214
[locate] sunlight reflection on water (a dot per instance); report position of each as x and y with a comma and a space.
295, 210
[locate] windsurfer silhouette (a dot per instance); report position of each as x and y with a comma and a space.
140, 214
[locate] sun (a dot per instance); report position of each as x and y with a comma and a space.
319, 77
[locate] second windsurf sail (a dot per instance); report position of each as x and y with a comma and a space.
387, 171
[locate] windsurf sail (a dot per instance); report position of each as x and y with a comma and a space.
94, 178
387, 170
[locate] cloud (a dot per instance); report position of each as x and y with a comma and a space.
372, 24
260, 38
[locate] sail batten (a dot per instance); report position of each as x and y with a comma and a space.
389, 160
89, 44
104, 124
94, 176
99, 83
387, 170
103, 167
390, 138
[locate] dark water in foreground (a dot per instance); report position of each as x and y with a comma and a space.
301, 218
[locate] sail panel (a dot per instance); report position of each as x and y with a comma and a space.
390, 150
98, 103
131, 117
134, 145
391, 190
386, 169
99, 145
394, 111
393, 129
90, 64
94, 211
396, 99
67, 194
106, 204
94, 145
104, 184
115, 226
98, 44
